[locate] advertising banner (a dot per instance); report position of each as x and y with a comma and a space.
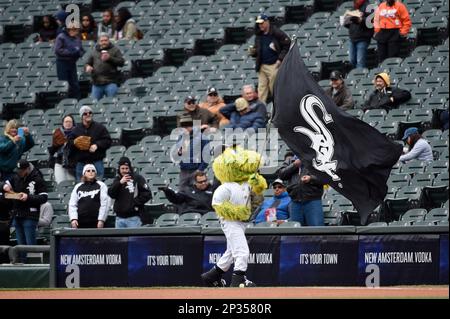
165, 260
318, 260
406, 259
263, 260
91, 262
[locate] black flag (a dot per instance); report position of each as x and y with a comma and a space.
346, 153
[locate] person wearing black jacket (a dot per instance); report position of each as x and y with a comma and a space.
131, 192
271, 46
305, 191
102, 64
360, 34
29, 186
385, 96
196, 198
99, 142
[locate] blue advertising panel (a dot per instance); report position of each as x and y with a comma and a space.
406, 259
213, 249
263, 261
443, 264
318, 260
165, 260
91, 261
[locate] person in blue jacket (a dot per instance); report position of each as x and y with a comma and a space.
68, 49
279, 202
12, 146
241, 115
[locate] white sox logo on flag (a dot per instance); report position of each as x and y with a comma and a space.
321, 139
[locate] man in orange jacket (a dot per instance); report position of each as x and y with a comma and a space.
392, 24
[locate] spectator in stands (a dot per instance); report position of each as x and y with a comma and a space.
5, 221
385, 96
45, 215
305, 191
89, 142
418, 147
61, 159
29, 186
251, 95
125, 25
102, 64
196, 198
190, 161
271, 45
213, 104
339, 92
242, 116
49, 27
277, 207
68, 49
130, 191
89, 201
12, 146
360, 34
193, 110
60, 18
88, 28
107, 24
392, 24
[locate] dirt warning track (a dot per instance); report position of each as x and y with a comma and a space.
233, 293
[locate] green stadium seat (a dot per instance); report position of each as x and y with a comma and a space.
210, 219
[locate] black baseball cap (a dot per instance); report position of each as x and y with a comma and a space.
23, 164
336, 75
190, 98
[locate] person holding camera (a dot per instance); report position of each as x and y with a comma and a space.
102, 64
385, 96
131, 192
13, 143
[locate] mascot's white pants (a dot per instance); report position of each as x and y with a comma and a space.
237, 247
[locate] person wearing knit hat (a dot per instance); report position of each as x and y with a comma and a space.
130, 191
89, 202
89, 141
385, 96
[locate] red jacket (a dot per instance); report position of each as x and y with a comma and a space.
395, 17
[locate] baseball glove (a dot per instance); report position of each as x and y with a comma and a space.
83, 142
58, 138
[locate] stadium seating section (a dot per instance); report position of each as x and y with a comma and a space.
189, 45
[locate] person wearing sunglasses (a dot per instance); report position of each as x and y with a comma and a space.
192, 109
275, 209
196, 198
214, 103
89, 142
89, 201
